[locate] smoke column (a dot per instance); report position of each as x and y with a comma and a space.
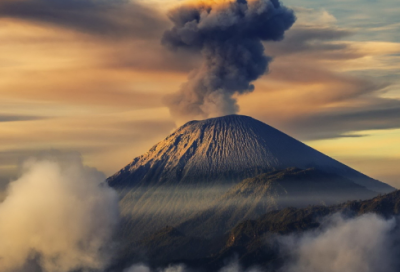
228, 34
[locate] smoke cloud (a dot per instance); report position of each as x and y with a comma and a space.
228, 34
58, 217
362, 244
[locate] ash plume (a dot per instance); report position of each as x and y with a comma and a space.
228, 34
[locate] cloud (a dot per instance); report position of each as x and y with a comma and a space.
368, 16
331, 87
58, 216
17, 118
376, 115
345, 245
121, 136
103, 18
314, 39
153, 58
309, 16
228, 35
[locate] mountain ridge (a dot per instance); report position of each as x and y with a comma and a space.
266, 192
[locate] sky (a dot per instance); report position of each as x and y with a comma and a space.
91, 76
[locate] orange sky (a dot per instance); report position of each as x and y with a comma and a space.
70, 88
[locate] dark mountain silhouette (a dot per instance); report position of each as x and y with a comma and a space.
252, 241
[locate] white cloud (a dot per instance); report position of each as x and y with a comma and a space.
309, 16
361, 244
58, 214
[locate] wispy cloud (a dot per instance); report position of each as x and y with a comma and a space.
16, 118
330, 85
108, 18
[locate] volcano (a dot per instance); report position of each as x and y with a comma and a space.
226, 150
202, 160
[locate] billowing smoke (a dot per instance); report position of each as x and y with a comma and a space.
366, 243
228, 34
57, 217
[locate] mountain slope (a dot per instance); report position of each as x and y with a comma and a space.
228, 149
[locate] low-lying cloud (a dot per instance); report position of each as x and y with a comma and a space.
58, 217
363, 244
